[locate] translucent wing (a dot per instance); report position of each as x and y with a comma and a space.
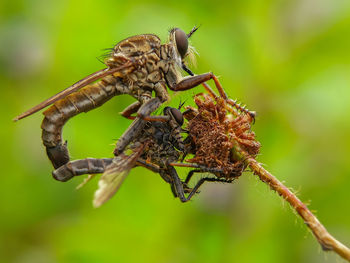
85, 181
76, 86
114, 176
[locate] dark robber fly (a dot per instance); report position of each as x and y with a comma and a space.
159, 144
137, 66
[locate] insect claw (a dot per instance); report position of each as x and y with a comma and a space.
252, 114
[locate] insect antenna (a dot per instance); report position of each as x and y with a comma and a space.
194, 29
181, 104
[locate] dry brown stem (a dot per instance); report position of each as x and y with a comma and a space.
326, 240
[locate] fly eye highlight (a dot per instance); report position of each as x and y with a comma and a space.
178, 116
181, 40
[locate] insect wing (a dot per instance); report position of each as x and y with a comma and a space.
86, 180
114, 176
76, 86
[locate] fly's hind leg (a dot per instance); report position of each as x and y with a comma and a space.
198, 169
202, 180
193, 81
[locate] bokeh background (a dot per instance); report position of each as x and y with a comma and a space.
288, 60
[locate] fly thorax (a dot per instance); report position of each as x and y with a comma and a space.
169, 57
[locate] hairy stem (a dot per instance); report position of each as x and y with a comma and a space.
326, 240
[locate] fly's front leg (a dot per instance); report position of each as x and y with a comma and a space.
229, 101
191, 82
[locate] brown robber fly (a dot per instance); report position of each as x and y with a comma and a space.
136, 66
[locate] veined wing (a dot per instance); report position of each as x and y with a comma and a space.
114, 176
76, 86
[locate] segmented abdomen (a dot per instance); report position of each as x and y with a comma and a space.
80, 167
58, 114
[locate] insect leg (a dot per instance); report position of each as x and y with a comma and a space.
176, 184
190, 174
198, 169
191, 82
80, 167
150, 166
137, 125
223, 94
162, 172
132, 108
148, 107
201, 181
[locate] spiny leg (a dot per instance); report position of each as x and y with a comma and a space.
197, 169
223, 95
193, 81
178, 186
201, 181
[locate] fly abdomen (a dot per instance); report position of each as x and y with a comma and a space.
59, 113
80, 167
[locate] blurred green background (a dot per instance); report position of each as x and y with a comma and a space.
288, 60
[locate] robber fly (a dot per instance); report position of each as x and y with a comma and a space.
136, 66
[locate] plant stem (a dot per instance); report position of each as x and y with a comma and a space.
326, 240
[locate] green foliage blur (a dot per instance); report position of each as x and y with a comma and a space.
287, 60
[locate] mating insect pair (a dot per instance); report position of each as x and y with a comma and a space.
160, 147
159, 144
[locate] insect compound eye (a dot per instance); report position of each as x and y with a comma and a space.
181, 42
178, 116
